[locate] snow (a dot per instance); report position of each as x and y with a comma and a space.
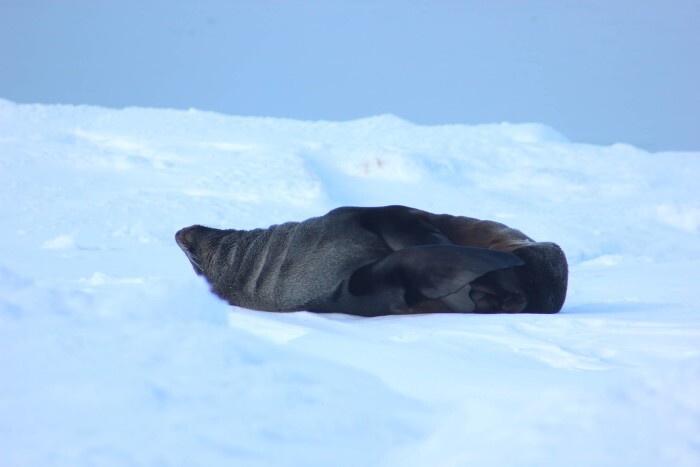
113, 352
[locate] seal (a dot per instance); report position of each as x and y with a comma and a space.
372, 261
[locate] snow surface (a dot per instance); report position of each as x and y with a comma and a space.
113, 353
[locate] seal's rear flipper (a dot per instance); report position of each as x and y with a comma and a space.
545, 277
404, 279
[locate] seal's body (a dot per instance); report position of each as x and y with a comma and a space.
379, 261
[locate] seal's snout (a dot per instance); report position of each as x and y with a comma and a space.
188, 239
185, 237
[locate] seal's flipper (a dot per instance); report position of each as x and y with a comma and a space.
461, 300
400, 227
429, 272
544, 278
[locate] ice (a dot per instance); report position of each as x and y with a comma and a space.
113, 352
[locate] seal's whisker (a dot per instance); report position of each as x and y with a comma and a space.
193, 258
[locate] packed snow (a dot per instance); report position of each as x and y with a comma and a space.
114, 353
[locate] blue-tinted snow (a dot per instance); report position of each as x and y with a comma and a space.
112, 351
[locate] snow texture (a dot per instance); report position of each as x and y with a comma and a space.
114, 353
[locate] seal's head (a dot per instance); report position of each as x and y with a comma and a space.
195, 241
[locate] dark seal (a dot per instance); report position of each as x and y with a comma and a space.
380, 261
